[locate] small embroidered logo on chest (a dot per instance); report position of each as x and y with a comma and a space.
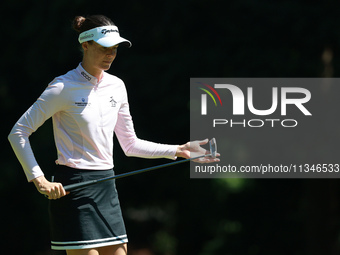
82, 103
113, 102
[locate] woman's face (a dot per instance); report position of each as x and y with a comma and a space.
98, 56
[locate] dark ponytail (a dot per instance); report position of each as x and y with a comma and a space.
81, 24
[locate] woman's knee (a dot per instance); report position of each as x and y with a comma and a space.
119, 249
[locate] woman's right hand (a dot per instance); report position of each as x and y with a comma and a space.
52, 190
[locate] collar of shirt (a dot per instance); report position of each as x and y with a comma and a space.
86, 76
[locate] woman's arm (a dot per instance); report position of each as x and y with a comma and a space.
46, 105
133, 146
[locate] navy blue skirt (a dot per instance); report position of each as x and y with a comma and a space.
87, 217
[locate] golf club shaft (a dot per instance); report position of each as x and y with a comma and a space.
84, 184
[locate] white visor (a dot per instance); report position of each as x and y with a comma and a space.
106, 36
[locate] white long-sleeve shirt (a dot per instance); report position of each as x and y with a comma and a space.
85, 114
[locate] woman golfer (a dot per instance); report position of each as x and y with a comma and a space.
88, 106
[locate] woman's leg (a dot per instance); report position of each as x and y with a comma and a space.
119, 249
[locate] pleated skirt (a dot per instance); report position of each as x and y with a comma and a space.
88, 217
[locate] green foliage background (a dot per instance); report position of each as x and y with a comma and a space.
166, 212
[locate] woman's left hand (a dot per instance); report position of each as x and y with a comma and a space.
194, 149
